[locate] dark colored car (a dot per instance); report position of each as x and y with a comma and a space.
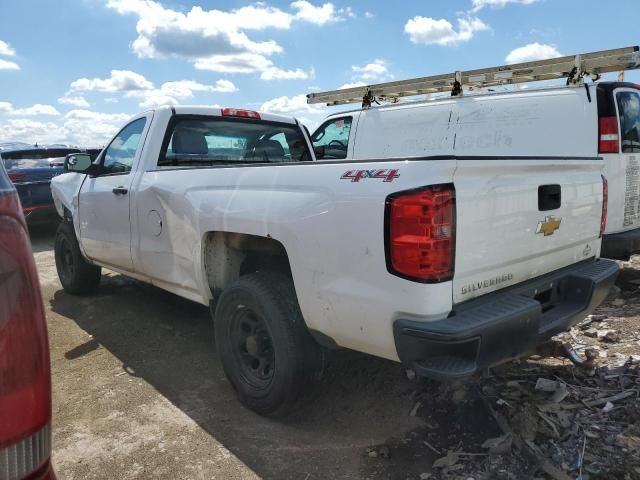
31, 169
25, 371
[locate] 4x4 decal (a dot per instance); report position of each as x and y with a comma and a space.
357, 175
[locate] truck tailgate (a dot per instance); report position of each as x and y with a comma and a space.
519, 218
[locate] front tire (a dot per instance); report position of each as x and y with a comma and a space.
267, 352
76, 275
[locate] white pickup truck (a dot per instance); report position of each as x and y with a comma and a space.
448, 264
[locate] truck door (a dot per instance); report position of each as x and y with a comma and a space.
628, 167
104, 220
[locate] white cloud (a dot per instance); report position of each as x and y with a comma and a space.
185, 88
111, 100
157, 99
119, 81
296, 106
248, 63
275, 73
133, 84
479, 4
368, 15
321, 15
170, 93
376, 70
224, 86
5, 49
290, 105
427, 30
75, 100
78, 127
351, 85
29, 131
217, 40
7, 65
240, 63
532, 52
36, 109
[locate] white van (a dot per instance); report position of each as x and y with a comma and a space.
598, 120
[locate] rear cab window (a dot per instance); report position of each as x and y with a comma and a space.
194, 140
331, 139
628, 102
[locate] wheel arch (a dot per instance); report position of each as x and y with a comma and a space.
229, 255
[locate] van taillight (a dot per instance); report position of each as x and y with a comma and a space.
609, 137
605, 200
25, 377
420, 233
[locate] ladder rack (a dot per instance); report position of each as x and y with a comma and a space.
573, 67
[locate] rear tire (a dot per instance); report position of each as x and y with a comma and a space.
267, 352
76, 275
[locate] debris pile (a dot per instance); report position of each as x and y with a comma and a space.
558, 422
541, 418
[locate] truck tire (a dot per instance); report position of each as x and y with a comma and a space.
266, 351
76, 275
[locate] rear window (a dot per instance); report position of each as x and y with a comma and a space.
629, 112
36, 158
33, 162
202, 141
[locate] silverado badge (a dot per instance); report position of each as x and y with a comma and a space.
549, 226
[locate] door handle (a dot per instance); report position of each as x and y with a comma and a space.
120, 191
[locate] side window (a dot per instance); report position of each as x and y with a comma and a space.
331, 139
629, 111
119, 155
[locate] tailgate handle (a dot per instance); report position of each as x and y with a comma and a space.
549, 197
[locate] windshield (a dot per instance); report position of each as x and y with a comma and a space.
195, 141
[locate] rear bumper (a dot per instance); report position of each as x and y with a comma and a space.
621, 245
503, 325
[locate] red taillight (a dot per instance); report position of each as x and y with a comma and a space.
25, 376
235, 112
16, 176
420, 233
605, 200
609, 136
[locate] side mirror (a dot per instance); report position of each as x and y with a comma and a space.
77, 162
319, 151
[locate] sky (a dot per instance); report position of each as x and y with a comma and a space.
74, 71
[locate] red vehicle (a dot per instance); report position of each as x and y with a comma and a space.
25, 372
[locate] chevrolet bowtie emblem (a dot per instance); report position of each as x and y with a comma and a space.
550, 225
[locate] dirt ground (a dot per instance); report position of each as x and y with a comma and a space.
138, 392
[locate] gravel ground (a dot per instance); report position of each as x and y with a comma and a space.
138, 392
